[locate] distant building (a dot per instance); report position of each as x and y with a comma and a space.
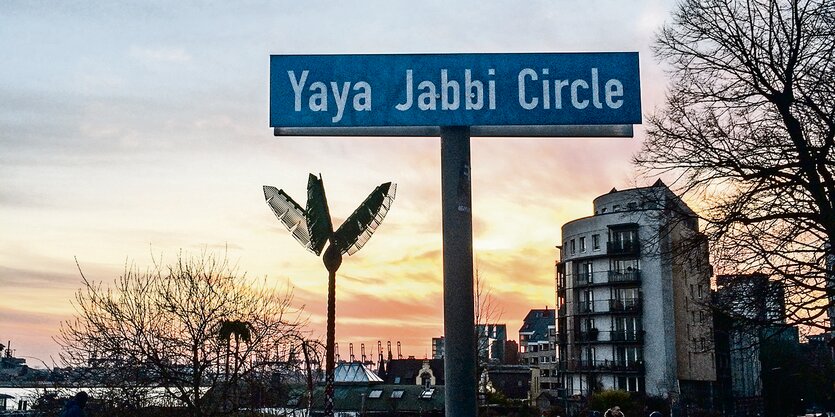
426, 372
633, 281
513, 381
491, 340
511, 353
381, 400
359, 391
355, 372
752, 310
438, 347
537, 350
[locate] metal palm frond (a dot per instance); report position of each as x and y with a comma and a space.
318, 216
289, 213
360, 225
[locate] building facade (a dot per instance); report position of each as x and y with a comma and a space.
633, 284
754, 308
538, 350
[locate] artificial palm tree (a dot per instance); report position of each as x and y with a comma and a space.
313, 228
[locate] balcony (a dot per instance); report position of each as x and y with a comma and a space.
584, 307
629, 275
626, 305
596, 336
630, 336
584, 278
585, 336
623, 247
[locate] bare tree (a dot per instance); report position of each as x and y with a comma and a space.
487, 315
169, 329
748, 130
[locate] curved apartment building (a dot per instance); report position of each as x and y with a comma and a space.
632, 285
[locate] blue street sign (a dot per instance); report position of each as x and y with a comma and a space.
454, 89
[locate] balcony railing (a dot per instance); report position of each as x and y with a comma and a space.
613, 336
626, 336
625, 305
601, 365
611, 306
585, 307
623, 247
629, 275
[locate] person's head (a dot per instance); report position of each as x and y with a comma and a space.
616, 411
81, 398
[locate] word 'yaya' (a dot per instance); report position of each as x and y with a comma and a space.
318, 101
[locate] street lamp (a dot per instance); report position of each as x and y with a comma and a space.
313, 228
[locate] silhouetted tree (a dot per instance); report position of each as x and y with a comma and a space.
748, 130
166, 328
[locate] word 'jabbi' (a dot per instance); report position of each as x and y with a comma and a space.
473, 91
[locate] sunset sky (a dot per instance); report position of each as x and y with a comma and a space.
133, 130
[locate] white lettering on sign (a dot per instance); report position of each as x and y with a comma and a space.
454, 90
319, 97
580, 96
450, 94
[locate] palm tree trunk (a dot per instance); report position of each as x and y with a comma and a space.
332, 259
330, 348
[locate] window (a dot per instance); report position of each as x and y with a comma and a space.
584, 273
590, 355
398, 393
397, 380
586, 301
582, 244
626, 299
573, 247
376, 393
427, 393
627, 356
595, 242
625, 265
587, 325
628, 383
426, 379
625, 238
627, 329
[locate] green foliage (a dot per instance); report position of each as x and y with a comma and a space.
603, 400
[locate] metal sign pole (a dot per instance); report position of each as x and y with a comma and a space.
459, 326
